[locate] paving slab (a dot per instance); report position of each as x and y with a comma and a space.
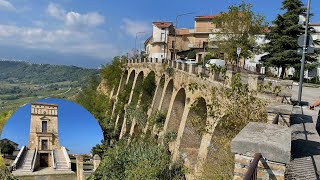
271, 140
305, 142
41, 172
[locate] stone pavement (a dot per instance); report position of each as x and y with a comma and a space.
41, 172
305, 142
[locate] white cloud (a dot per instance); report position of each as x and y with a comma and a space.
56, 11
61, 40
6, 5
132, 26
91, 19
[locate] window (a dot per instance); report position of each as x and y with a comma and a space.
44, 126
44, 144
162, 37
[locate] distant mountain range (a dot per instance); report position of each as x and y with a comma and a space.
21, 71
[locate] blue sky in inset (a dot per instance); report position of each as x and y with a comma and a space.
78, 130
90, 32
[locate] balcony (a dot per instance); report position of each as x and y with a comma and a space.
45, 131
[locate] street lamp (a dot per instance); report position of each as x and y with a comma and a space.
135, 42
304, 54
175, 33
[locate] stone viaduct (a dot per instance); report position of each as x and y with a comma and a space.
174, 96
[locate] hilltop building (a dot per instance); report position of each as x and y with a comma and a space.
43, 150
164, 35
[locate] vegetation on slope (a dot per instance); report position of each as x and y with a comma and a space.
233, 108
140, 159
4, 173
13, 71
23, 82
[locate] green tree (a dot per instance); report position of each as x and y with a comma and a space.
6, 148
112, 72
191, 55
239, 27
283, 37
4, 116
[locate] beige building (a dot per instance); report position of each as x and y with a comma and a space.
161, 43
43, 150
156, 46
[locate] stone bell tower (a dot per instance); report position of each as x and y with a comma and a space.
44, 127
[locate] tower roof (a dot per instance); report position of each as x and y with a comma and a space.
44, 104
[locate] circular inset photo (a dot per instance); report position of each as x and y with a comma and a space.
51, 138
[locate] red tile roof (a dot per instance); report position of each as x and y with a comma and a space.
162, 24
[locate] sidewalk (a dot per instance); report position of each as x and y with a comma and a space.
305, 142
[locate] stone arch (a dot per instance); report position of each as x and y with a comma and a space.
133, 100
158, 94
193, 132
131, 77
145, 101
120, 90
123, 98
167, 97
176, 112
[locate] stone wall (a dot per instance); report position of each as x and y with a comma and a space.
167, 99
272, 141
266, 169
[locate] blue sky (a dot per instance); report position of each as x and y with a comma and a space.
90, 32
78, 130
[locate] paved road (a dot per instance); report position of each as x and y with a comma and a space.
308, 94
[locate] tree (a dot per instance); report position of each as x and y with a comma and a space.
6, 148
238, 28
191, 55
283, 37
112, 72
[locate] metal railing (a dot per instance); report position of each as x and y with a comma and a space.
241, 69
16, 161
34, 159
66, 156
251, 174
53, 161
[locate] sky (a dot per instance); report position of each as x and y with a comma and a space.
78, 130
89, 33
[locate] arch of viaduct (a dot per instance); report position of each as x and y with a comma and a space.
173, 96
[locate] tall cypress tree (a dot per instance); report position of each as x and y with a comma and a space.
283, 37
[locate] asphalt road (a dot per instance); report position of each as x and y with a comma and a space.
309, 94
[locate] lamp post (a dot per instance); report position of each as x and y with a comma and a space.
304, 54
135, 42
175, 33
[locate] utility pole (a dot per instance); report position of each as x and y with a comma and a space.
304, 48
175, 34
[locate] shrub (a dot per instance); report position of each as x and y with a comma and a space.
141, 159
